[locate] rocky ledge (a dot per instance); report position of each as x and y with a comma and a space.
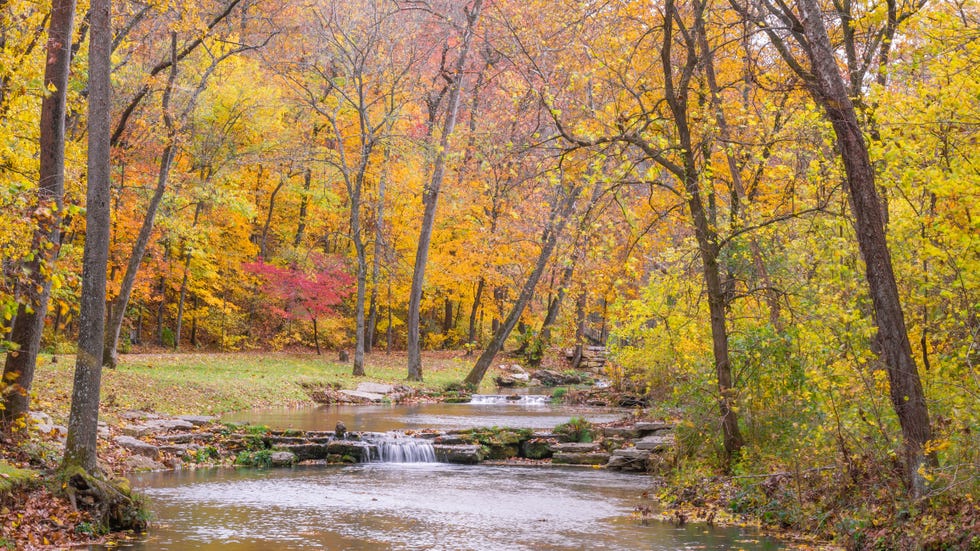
154, 442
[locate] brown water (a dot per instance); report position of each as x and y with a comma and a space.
413, 506
382, 418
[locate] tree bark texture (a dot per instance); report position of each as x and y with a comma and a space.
80, 447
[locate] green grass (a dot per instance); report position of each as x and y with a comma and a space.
12, 477
219, 383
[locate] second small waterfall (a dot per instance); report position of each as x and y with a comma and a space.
403, 449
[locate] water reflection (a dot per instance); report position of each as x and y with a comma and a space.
404, 506
382, 418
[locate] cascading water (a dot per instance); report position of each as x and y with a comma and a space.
394, 448
512, 399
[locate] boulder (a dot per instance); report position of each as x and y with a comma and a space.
282, 459
656, 443
467, 454
592, 458
138, 446
629, 459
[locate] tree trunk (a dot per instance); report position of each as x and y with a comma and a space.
182, 296
907, 396
263, 241
119, 304
556, 225
304, 203
676, 96
316, 337
28, 325
431, 197
471, 334
80, 447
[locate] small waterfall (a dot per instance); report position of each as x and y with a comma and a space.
515, 399
393, 448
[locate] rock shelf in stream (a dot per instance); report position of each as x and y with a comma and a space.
165, 443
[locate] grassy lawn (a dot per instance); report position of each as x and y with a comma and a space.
217, 383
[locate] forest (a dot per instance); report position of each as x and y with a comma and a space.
767, 211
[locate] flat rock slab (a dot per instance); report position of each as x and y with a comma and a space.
467, 454
154, 426
375, 388
656, 443
357, 396
625, 432
181, 437
629, 459
647, 427
573, 447
138, 447
594, 458
143, 463
305, 452
136, 414
198, 420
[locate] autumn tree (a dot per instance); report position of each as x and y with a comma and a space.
430, 195
801, 38
28, 325
80, 449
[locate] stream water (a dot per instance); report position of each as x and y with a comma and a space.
413, 506
531, 413
390, 504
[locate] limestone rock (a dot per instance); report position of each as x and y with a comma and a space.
625, 432
656, 443
650, 427
138, 446
306, 452
629, 459
467, 454
361, 451
282, 459
573, 447
537, 448
198, 420
592, 458
375, 388
142, 463
358, 397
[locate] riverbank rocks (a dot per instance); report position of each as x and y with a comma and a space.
138, 446
282, 459
466, 454
511, 376
629, 459
553, 378
590, 458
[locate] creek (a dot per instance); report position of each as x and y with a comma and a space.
415, 505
